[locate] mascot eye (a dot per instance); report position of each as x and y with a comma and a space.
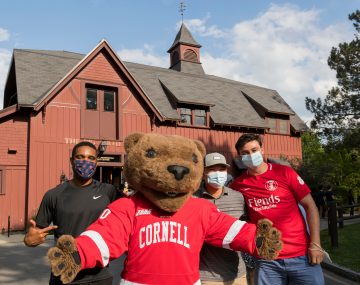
194, 158
151, 153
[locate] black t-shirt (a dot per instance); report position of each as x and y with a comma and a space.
73, 209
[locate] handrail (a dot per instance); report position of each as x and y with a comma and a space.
335, 217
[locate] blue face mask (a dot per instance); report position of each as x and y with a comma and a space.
84, 168
252, 160
217, 178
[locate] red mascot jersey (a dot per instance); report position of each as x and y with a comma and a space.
163, 248
275, 195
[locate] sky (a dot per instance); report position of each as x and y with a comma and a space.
281, 45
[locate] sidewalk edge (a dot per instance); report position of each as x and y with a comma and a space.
342, 271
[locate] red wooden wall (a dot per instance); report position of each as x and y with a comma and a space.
13, 162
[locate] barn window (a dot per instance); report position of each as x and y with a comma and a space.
193, 116
200, 117
283, 126
185, 115
272, 125
91, 99
99, 116
109, 101
278, 126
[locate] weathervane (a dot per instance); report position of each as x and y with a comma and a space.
181, 10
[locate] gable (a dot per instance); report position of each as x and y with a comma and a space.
101, 69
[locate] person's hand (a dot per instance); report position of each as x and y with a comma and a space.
126, 192
315, 253
35, 235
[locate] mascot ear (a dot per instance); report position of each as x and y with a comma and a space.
132, 140
201, 147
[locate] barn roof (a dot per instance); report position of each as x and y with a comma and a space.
231, 102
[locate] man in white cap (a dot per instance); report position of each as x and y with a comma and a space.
220, 265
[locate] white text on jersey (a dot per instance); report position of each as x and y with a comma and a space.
166, 231
259, 204
143, 212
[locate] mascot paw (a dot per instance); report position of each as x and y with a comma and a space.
64, 259
268, 240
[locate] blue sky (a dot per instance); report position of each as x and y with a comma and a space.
281, 45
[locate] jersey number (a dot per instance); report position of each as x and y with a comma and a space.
105, 214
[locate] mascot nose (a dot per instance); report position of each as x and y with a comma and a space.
178, 171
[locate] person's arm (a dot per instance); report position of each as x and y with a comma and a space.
315, 252
36, 235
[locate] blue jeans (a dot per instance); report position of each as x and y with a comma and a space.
289, 271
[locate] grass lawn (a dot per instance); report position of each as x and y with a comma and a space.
347, 254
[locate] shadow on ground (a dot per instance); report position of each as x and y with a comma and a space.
22, 265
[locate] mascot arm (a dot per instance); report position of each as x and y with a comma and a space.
261, 240
93, 248
98, 245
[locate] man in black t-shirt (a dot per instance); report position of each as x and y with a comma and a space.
72, 206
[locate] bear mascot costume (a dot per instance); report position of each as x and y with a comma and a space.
162, 227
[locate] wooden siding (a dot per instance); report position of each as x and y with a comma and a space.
276, 146
12, 204
101, 69
13, 137
13, 133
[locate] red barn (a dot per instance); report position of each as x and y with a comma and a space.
53, 99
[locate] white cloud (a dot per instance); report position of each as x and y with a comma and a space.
284, 49
199, 26
144, 56
4, 35
5, 57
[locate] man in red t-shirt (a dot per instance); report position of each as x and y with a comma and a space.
273, 191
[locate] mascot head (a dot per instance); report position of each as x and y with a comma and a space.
165, 169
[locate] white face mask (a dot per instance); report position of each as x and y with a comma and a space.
252, 160
217, 178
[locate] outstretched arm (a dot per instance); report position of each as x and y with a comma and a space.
36, 235
262, 240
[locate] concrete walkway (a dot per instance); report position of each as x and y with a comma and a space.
22, 265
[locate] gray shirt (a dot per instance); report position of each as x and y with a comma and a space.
216, 263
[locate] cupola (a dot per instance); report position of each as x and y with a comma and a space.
185, 53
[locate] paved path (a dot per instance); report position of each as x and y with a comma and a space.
22, 265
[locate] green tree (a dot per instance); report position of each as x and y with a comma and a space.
311, 146
338, 114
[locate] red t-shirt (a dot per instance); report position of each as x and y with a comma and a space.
163, 248
275, 195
